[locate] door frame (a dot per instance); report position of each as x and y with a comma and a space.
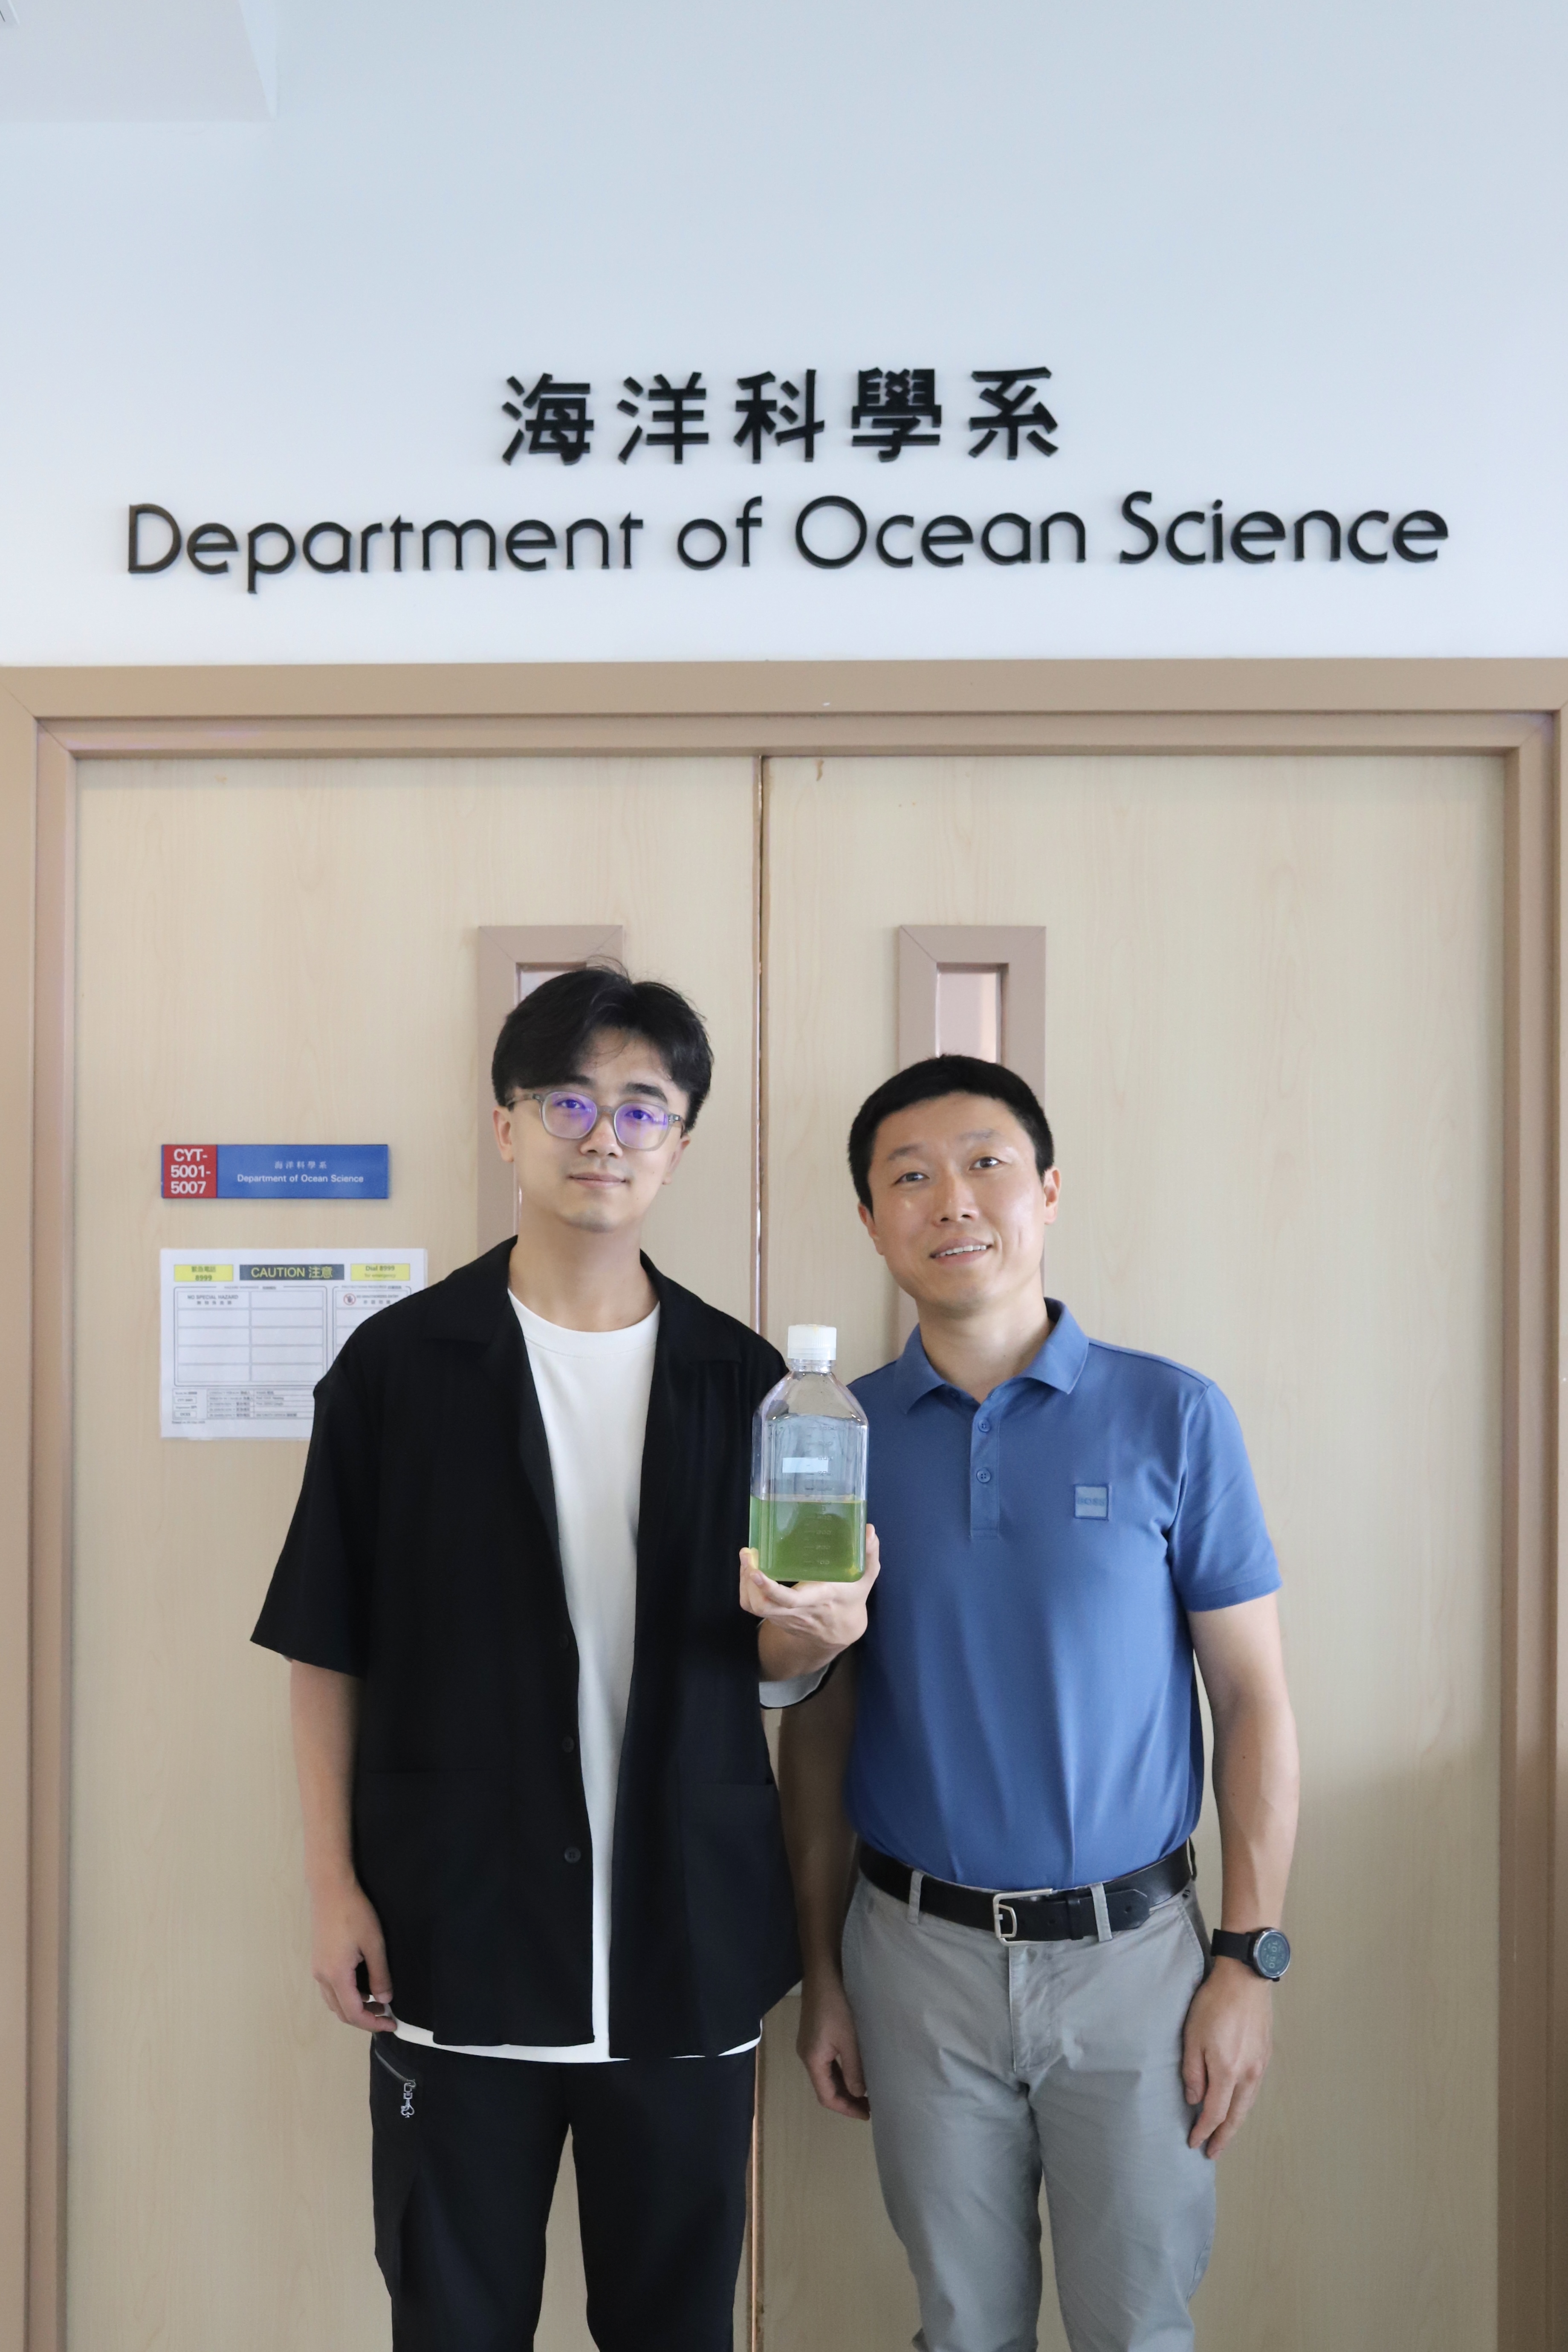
49, 719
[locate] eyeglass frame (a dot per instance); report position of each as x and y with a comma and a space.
667, 1119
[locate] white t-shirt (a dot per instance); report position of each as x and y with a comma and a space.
594, 1389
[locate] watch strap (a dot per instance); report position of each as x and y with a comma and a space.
1227, 1944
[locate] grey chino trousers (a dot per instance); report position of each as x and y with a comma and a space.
991, 2067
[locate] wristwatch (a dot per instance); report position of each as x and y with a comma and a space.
1264, 1950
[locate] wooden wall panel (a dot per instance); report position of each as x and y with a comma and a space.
1275, 1046
271, 953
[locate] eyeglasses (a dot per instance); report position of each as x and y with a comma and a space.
571, 1115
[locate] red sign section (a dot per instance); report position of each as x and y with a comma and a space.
190, 1171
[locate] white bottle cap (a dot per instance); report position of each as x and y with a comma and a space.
812, 1343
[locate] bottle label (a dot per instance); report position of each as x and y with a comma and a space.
793, 1463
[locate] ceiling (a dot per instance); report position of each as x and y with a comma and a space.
152, 62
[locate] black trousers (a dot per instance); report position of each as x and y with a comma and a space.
466, 2152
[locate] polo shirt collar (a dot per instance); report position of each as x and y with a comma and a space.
1057, 1366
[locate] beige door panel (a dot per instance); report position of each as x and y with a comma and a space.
1274, 1055
272, 951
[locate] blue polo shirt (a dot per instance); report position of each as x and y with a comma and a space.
1028, 1707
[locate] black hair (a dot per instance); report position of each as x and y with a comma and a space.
547, 1037
946, 1073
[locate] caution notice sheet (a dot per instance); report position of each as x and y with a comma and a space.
247, 1334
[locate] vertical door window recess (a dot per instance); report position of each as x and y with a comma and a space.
513, 960
969, 1011
976, 989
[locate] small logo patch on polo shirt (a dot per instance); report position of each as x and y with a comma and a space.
1092, 1502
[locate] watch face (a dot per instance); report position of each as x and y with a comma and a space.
1271, 1953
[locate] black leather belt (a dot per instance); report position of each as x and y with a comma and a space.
1041, 1915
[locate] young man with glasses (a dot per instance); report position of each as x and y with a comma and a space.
1024, 1989
541, 1835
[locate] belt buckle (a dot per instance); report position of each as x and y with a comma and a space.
1005, 1903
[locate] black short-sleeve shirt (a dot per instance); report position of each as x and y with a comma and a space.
423, 1557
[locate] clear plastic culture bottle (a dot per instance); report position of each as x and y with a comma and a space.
808, 1469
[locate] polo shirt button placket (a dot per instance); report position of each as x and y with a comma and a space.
985, 1499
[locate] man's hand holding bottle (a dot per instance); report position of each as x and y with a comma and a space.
805, 1626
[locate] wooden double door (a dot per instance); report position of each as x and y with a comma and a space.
1274, 1066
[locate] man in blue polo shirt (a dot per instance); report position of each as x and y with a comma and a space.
1024, 1987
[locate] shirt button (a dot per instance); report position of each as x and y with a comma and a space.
983, 1427
574, 1854
983, 1476
567, 1745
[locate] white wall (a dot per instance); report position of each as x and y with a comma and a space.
1287, 257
